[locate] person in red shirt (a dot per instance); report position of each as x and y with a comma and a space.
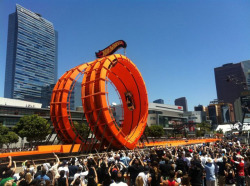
240, 178
171, 181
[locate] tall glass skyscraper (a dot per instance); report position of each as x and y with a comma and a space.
31, 61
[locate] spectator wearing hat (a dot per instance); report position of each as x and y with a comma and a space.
210, 172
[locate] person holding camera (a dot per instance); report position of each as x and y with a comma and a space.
135, 167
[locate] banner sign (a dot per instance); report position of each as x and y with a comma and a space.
111, 49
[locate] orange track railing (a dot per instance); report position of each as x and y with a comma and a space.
66, 148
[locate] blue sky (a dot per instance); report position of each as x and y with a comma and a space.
176, 44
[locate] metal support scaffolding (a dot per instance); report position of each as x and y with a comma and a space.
94, 132
72, 146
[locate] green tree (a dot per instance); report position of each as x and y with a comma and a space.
82, 129
11, 137
198, 133
34, 128
204, 128
220, 131
156, 131
7, 137
147, 131
3, 131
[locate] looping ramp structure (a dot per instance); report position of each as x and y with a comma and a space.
124, 75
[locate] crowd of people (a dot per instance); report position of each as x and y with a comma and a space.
219, 163
6, 150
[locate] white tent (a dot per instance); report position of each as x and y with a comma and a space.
229, 127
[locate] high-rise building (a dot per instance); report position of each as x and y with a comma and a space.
200, 108
231, 79
221, 113
195, 116
160, 101
31, 61
242, 107
74, 96
181, 102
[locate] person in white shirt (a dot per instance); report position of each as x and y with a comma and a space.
203, 158
81, 175
145, 176
46, 166
65, 168
54, 167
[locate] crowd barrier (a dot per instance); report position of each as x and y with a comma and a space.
48, 149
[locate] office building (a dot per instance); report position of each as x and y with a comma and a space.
160, 101
11, 110
182, 102
231, 79
242, 107
195, 116
200, 108
74, 97
164, 115
31, 61
221, 113
46, 95
169, 117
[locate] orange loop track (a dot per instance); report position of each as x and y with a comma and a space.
126, 78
